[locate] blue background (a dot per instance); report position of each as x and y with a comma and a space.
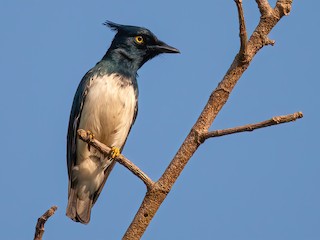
259, 185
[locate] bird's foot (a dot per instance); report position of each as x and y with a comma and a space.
91, 137
115, 152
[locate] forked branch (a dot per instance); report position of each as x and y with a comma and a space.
85, 136
156, 195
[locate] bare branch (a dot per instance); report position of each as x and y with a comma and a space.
41, 221
283, 7
251, 127
264, 7
242, 31
85, 136
156, 195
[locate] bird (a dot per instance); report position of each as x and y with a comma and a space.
106, 105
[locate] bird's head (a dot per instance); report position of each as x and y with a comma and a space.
136, 45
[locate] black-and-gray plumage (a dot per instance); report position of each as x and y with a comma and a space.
106, 104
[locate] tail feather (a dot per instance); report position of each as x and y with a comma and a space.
80, 201
79, 210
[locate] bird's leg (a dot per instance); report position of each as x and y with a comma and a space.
115, 152
91, 137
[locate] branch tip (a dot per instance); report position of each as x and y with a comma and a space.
284, 7
268, 41
41, 222
242, 32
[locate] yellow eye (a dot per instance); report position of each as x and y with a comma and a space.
139, 39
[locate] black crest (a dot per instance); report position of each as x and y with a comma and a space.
113, 26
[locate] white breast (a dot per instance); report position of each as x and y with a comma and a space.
108, 113
108, 109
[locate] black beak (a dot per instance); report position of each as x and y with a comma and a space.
162, 47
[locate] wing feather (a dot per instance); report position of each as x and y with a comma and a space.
74, 120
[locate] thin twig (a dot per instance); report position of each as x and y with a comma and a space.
254, 126
268, 41
84, 136
242, 31
41, 221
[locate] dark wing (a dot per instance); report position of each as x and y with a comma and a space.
136, 92
135, 110
74, 121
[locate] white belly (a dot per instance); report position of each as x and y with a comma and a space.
108, 113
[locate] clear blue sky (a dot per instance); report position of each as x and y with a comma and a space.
261, 185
